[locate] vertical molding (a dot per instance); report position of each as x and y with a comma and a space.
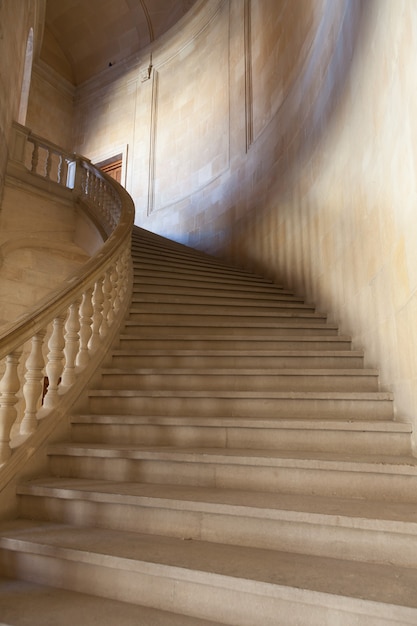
248, 74
152, 141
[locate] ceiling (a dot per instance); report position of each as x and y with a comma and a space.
83, 37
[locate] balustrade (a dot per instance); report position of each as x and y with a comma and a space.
59, 339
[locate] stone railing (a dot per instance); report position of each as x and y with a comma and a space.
48, 353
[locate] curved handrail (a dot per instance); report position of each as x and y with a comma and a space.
60, 337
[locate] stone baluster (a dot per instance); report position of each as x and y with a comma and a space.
115, 278
35, 158
48, 163
33, 387
72, 344
98, 299
107, 304
108, 312
86, 326
62, 172
9, 386
55, 361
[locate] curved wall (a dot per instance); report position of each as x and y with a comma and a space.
281, 135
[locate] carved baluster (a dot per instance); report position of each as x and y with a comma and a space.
9, 386
35, 158
55, 361
33, 387
86, 325
115, 283
48, 163
107, 305
108, 312
98, 299
72, 344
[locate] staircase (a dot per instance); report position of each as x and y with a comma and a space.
235, 464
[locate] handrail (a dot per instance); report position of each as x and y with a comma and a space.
44, 352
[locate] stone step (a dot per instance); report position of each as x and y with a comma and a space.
187, 307
297, 343
326, 527
191, 265
29, 604
229, 327
234, 585
228, 379
373, 477
169, 294
147, 285
263, 319
271, 404
237, 359
356, 437
150, 277
148, 250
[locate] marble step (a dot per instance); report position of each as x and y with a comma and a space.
148, 286
373, 477
271, 404
331, 527
154, 277
145, 250
25, 603
237, 359
228, 327
201, 272
354, 437
250, 379
188, 307
297, 343
171, 294
229, 584
191, 264
264, 319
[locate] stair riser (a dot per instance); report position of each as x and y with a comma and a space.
150, 292
187, 307
319, 539
242, 407
204, 297
200, 277
244, 361
239, 438
292, 480
169, 343
229, 382
296, 327
228, 286
236, 319
229, 601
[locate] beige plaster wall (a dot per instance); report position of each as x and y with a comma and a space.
16, 20
282, 135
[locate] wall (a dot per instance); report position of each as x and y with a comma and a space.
281, 135
16, 19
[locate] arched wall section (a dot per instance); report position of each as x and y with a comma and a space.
16, 21
282, 135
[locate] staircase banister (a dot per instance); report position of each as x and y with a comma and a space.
67, 332
51, 305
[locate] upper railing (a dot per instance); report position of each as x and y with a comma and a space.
49, 352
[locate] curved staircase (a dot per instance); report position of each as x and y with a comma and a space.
234, 463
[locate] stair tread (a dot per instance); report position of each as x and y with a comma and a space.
399, 464
358, 513
299, 395
228, 566
238, 353
29, 604
244, 422
244, 371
